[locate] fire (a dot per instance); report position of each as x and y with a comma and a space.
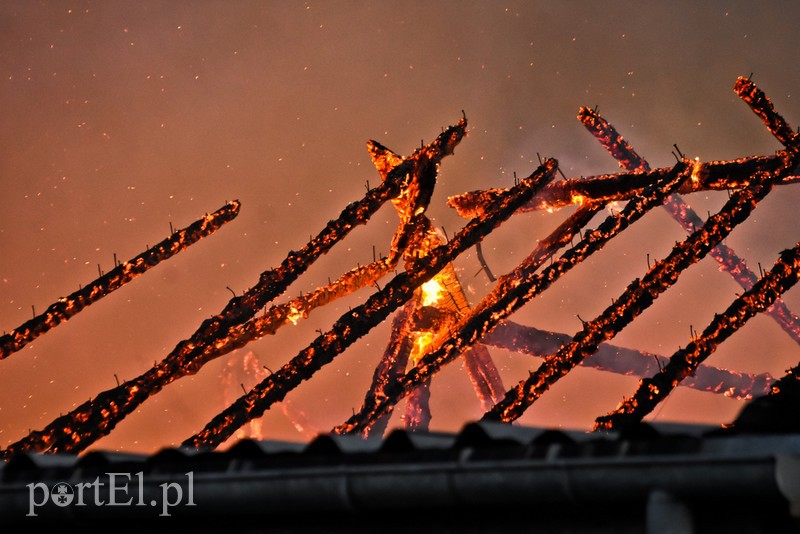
697, 169
430, 330
294, 315
431, 292
423, 341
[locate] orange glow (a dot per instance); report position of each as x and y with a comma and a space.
697, 170
436, 323
294, 315
423, 341
432, 291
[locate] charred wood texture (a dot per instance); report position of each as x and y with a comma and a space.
653, 390
689, 220
639, 295
625, 361
66, 307
762, 106
710, 176
758, 298
512, 292
362, 319
94, 419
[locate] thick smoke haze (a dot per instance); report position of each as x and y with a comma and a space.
120, 118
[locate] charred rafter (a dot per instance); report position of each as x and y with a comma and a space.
393, 363
66, 307
625, 361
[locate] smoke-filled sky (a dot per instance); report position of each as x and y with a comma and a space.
120, 118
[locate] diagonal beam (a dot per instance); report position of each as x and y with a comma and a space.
66, 307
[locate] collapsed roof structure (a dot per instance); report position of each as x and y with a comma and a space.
435, 323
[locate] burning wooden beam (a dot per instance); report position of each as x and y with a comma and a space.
620, 360
711, 176
639, 295
66, 307
762, 106
653, 390
96, 418
689, 220
361, 319
513, 291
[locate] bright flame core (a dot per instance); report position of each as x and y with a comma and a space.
697, 169
431, 292
422, 343
294, 315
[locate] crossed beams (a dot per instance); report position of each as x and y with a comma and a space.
639, 295
710, 176
363, 318
763, 294
514, 290
95, 418
408, 183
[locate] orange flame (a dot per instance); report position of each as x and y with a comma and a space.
431, 292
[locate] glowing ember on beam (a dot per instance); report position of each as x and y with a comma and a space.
541, 343
762, 106
66, 307
94, 419
362, 319
653, 390
639, 295
512, 292
715, 176
727, 259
